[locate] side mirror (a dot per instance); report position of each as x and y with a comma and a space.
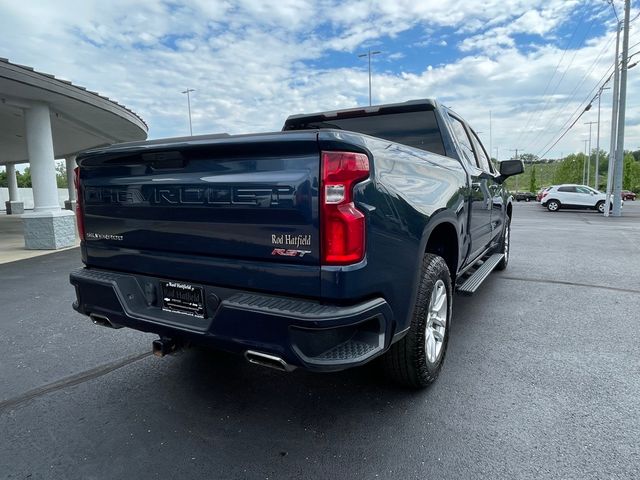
509, 168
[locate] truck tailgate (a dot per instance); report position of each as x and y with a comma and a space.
251, 199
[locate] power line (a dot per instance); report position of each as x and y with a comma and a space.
586, 109
531, 135
610, 2
525, 132
573, 92
546, 88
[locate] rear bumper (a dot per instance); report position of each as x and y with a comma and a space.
304, 333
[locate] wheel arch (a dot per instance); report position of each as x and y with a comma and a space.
442, 237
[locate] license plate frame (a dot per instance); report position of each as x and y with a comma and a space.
183, 298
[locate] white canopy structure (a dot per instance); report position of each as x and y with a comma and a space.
42, 118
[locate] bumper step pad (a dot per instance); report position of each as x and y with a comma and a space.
348, 350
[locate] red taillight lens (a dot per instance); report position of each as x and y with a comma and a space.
79, 213
342, 225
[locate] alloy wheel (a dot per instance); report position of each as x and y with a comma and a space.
436, 322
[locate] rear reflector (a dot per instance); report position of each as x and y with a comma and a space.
342, 225
79, 212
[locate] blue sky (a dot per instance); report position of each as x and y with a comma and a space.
253, 62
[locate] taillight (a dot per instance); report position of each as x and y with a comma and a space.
544, 194
342, 225
79, 213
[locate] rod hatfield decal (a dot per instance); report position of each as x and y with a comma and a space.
287, 240
289, 245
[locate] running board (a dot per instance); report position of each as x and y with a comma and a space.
472, 283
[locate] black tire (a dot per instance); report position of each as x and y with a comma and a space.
407, 361
600, 206
505, 245
553, 205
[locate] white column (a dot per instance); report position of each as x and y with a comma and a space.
14, 206
71, 165
47, 227
40, 149
14, 196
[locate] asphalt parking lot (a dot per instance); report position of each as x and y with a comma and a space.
542, 380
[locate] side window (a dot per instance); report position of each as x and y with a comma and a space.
567, 189
461, 134
584, 190
481, 155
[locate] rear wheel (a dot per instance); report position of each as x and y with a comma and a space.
553, 205
415, 360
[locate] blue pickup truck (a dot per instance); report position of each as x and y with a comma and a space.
336, 241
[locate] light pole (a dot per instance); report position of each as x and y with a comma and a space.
188, 91
515, 150
368, 54
596, 174
589, 157
490, 136
622, 107
614, 122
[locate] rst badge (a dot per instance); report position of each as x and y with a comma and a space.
286, 252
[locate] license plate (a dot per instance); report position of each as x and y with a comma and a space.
182, 298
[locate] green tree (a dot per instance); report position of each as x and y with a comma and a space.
570, 169
61, 175
532, 180
3, 179
24, 178
631, 173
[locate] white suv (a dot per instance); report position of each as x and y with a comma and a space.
572, 196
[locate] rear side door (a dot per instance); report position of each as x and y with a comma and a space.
480, 196
568, 196
495, 187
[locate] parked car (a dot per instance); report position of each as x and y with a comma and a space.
628, 195
573, 196
524, 196
541, 193
336, 241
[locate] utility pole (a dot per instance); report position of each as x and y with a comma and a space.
617, 181
584, 164
589, 157
515, 150
490, 136
368, 54
614, 123
188, 91
597, 172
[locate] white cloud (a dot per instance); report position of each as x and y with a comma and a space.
249, 60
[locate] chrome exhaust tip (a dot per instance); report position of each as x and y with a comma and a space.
102, 321
266, 360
